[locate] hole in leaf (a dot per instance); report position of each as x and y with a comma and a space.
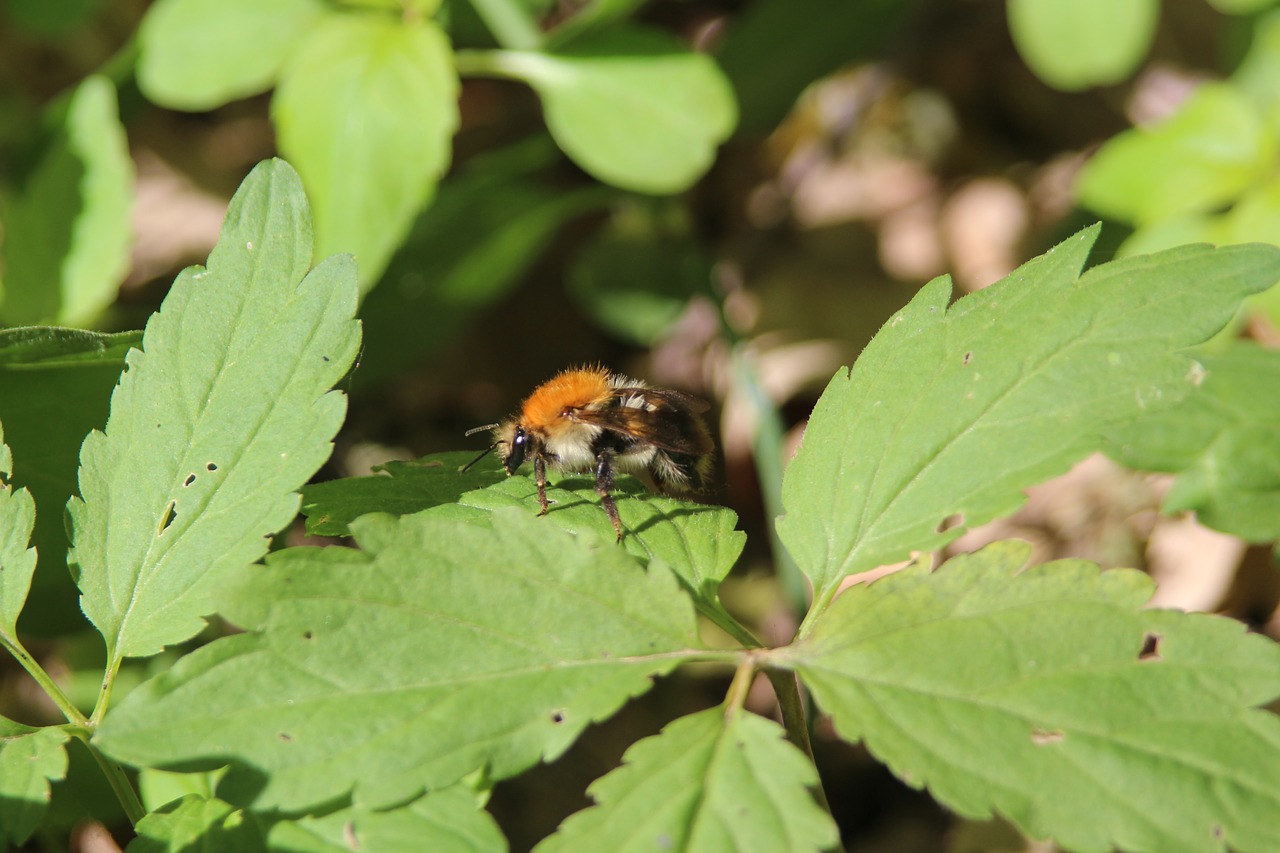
1044, 737
170, 513
1150, 647
951, 522
191, 478
209, 466
557, 717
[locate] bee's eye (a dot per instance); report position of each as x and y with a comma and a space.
515, 457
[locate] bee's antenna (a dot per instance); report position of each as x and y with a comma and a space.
486, 452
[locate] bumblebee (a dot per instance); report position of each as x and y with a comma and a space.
587, 419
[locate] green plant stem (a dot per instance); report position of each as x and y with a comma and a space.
116, 778
46, 682
729, 625
786, 687
510, 23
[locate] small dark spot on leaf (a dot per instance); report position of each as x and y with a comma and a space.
1043, 737
1150, 647
285, 736
557, 717
191, 478
968, 357
307, 635
325, 357
1217, 832
209, 466
157, 426
951, 522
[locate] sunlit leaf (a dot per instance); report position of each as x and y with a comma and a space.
1049, 695
709, 781
1075, 44
700, 543
1215, 147
366, 109
633, 107
440, 648
951, 411
67, 232
200, 54
17, 558
215, 424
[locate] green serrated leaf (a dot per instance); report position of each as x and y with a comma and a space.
196, 823
1214, 148
201, 54
30, 759
443, 647
951, 412
1049, 695
1222, 442
632, 106
1075, 44
55, 386
699, 543
67, 232
366, 110
215, 424
17, 558
708, 782
403, 488
449, 820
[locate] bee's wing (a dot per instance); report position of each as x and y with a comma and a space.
666, 419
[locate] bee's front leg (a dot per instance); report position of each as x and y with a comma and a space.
604, 488
540, 477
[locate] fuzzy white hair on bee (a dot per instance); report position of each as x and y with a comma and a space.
588, 420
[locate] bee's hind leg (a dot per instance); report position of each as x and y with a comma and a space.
604, 488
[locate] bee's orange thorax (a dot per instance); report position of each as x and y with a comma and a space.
577, 388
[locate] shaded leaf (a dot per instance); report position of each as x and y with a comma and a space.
30, 759
1075, 44
200, 54
55, 386
1222, 442
215, 424
1049, 695
404, 488
480, 234
951, 412
773, 49
440, 648
445, 821
633, 107
709, 781
194, 823
67, 231
366, 109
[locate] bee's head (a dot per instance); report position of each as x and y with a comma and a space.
512, 443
